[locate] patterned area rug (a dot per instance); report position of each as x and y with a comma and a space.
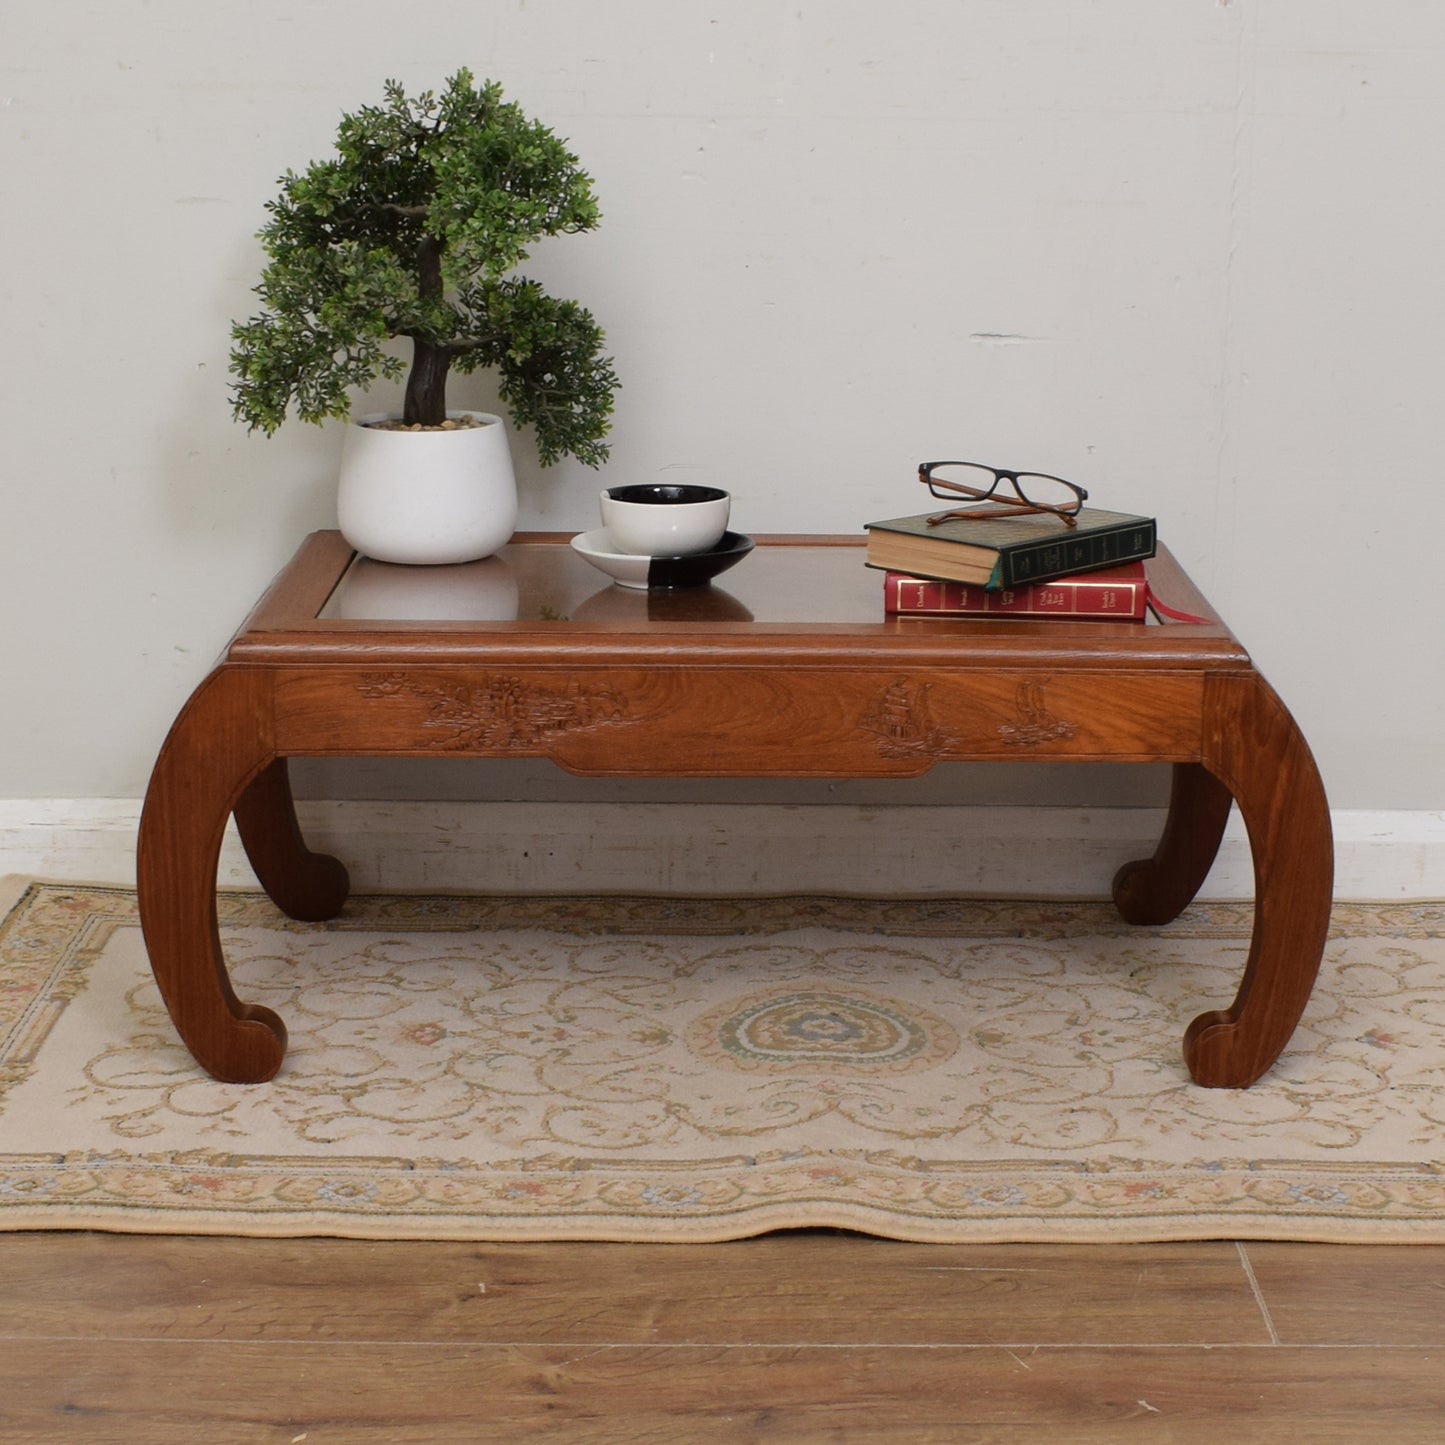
686, 1069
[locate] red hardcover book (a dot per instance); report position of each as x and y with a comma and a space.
1117, 592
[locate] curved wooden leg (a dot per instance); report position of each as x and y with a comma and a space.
1254, 747
220, 742
1157, 890
307, 886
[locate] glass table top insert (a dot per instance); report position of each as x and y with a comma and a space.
546, 581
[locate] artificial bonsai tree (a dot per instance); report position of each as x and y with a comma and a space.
414, 229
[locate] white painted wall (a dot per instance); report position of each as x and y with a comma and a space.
1185, 251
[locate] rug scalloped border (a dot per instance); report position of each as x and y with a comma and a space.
560, 1198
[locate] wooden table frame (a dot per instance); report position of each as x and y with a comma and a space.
723, 695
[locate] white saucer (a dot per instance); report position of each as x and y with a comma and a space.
661, 574
628, 568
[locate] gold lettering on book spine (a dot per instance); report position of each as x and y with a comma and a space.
501, 712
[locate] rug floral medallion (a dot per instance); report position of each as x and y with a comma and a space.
498, 1068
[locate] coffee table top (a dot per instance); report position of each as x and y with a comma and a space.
807, 594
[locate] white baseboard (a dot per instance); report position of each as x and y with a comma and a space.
728, 849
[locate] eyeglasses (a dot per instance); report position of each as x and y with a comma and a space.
1032, 492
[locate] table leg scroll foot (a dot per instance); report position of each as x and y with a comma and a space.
1213, 1048
1259, 754
1157, 890
219, 743
309, 887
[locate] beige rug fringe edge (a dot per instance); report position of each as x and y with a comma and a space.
564, 1229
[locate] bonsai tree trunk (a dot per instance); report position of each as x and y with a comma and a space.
426, 386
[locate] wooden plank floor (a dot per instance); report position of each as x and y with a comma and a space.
792, 1337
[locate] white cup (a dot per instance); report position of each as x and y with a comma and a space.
665, 519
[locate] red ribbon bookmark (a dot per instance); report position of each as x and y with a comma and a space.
1172, 613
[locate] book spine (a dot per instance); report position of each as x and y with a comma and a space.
907, 596
1064, 556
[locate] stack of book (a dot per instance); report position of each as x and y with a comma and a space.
1025, 566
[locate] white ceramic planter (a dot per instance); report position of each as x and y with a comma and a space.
427, 497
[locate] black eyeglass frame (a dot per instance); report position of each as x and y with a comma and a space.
1004, 504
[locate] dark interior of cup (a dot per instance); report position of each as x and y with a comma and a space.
665, 492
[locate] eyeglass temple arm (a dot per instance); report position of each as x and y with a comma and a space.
967, 491
965, 514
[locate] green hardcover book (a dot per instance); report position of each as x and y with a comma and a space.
995, 552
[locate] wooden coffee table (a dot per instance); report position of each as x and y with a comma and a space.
784, 667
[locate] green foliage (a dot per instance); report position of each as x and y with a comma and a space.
413, 230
